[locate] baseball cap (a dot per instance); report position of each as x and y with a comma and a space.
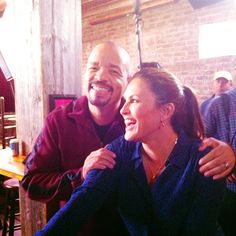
223, 74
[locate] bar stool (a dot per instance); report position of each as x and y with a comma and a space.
11, 187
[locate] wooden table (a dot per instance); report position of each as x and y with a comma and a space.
10, 166
33, 213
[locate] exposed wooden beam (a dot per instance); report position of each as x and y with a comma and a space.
116, 9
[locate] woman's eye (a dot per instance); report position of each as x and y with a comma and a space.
134, 100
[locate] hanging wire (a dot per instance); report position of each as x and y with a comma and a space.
137, 17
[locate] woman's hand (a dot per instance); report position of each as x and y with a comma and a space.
219, 162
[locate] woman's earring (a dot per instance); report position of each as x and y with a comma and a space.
162, 124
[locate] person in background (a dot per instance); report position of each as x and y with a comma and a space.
73, 138
156, 178
222, 81
221, 123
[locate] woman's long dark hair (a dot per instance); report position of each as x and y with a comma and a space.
167, 89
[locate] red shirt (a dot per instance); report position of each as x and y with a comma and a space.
53, 168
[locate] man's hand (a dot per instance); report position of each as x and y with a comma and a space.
231, 178
219, 162
99, 159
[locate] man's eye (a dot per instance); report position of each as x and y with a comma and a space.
93, 68
115, 72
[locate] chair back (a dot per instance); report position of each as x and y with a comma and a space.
2, 133
7, 124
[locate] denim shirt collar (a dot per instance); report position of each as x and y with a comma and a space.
182, 147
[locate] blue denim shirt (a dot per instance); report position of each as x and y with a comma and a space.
223, 126
180, 202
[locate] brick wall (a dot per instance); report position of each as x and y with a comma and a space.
169, 35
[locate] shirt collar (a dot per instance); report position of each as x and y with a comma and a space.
179, 155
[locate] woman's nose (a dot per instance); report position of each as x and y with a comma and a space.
124, 109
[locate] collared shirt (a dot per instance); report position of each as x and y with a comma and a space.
66, 139
204, 106
53, 168
223, 126
180, 202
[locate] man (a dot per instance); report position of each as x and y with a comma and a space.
72, 140
54, 167
221, 123
222, 82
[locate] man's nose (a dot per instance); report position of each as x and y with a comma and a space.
101, 74
222, 83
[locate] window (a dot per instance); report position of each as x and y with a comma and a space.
5, 70
217, 39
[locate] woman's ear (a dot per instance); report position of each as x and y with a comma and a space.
167, 111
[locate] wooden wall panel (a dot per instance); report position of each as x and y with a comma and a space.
41, 41
103, 11
61, 50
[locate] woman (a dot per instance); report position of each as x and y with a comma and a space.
156, 179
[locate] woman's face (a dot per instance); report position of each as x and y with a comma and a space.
140, 112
